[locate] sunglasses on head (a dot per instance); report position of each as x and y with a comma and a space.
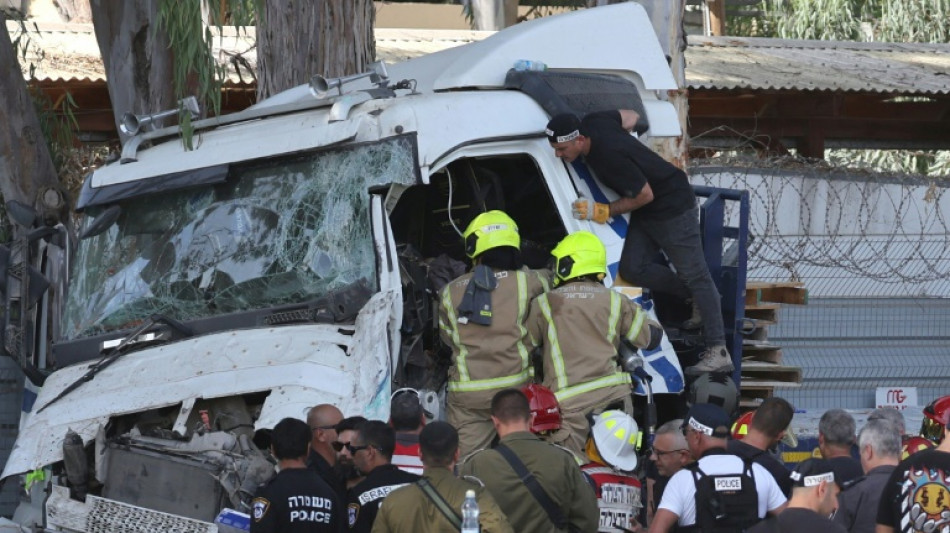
338, 446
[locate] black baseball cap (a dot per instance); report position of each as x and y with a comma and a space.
563, 128
811, 472
708, 419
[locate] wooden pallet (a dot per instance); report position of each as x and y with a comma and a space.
763, 312
761, 351
789, 292
761, 370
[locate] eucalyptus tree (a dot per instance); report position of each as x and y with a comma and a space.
924, 21
27, 173
298, 40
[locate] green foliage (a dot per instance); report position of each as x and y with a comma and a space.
926, 21
192, 43
59, 126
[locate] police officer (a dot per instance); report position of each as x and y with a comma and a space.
760, 435
579, 325
296, 500
719, 492
481, 318
412, 509
538, 485
612, 451
372, 451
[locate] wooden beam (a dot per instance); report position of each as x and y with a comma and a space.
717, 16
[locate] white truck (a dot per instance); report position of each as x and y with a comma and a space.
289, 260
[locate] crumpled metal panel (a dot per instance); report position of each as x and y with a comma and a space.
302, 366
758, 63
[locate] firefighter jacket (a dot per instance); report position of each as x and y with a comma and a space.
555, 469
409, 510
579, 326
486, 359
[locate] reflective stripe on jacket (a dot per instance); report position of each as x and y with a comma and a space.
580, 326
488, 358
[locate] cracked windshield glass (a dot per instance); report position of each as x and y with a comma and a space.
277, 232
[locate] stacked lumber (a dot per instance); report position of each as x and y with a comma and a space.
762, 367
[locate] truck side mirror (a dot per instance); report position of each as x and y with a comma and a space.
21, 213
102, 222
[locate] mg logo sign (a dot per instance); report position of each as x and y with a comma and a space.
897, 397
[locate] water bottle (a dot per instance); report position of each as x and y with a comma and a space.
528, 64
470, 513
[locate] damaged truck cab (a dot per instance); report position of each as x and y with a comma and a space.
291, 257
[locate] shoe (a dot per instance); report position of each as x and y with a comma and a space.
715, 359
695, 321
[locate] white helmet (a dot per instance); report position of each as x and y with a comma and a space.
616, 435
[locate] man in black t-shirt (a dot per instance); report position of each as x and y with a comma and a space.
663, 216
296, 500
322, 420
917, 494
372, 452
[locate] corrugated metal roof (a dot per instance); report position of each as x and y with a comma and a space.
757, 63
70, 51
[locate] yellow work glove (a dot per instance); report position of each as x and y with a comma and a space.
586, 209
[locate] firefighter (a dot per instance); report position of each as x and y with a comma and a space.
579, 326
481, 318
932, 426
612, 452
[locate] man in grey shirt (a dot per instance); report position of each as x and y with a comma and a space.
880, 446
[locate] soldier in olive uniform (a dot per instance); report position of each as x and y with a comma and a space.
410, 510
554, 469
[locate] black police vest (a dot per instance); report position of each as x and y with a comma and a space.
725, 503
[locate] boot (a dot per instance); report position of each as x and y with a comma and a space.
695, 321
714, 359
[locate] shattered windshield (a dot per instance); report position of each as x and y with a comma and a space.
276, 232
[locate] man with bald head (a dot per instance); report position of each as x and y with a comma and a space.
322, 420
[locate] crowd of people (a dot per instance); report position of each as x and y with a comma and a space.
705, 472
539, 426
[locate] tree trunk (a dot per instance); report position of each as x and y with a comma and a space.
136, 56
493, 15
667, 18
26, 167
74, 10
297, 40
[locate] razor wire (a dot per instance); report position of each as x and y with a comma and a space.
885, 227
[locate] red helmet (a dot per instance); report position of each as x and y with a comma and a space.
913, 445
741, 426
545, 411
936, 416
